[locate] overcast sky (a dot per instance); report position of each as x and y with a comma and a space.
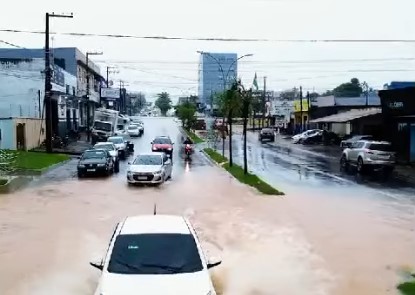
153, 66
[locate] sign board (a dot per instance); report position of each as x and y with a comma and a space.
110, 93
297, 106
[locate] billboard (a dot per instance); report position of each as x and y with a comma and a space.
113, 93
297, 106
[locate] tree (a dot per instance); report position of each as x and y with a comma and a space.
163, 102
230, 105
349, 89
247, 100
186, 112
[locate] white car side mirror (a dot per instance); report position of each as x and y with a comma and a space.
213, 261
97, 263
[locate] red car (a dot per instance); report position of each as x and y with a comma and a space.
162, 144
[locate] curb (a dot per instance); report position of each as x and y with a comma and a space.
42, 171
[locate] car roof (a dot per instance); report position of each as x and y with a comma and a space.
103, 142
95, 150
115, 137
152, 224
151, 154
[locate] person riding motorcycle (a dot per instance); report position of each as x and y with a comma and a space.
187, 141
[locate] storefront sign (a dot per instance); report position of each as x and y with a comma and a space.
110, 93
398, 102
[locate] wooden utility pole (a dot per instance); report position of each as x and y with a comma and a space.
301, 108
264, 102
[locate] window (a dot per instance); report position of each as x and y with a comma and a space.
155, 254
68, 89
148, 160
165, 158
98, 154
380, 147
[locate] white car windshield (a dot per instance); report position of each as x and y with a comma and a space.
148, 160
105, 146
116, 140
149, 254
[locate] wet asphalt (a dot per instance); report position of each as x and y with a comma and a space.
330, 234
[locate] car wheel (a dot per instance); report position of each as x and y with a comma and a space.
360, 165
80, 175
344, 164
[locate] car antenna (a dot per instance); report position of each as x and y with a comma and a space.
155, 209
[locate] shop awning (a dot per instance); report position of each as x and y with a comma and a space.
348, 116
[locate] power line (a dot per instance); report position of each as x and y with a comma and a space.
11, 44
216, 38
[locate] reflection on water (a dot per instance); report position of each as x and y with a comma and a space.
319, 243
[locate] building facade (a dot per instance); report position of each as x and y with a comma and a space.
216, 72
72, 61
22, 83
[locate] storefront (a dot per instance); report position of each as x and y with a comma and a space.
398, 110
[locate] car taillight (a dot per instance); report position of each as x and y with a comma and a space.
369, 152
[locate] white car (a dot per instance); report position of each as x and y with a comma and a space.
155, 255
299, 137
112, 149
133, 130
151, 168
120, 144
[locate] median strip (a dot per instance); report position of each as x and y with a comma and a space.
407, 288
193, 136
238, 172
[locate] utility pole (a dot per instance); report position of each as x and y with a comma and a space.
264, 102
40, 106
301, 108
88, 115
48, 83
308, 106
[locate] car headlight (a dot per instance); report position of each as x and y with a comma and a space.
169, 149
101, 165
158, 172
129, 173
81, 166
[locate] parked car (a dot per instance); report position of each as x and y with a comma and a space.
347, 143
151, 168
94, 162
299, 137
369, 154
112, 149
266, 134
155, 254
313, 138
121, 145
163, 144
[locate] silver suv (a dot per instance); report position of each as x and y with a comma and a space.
369, 154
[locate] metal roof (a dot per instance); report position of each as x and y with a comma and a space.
348, 116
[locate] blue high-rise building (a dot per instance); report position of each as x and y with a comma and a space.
213, 69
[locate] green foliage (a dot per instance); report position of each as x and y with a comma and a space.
20, 160
349, 89
186, 112
238, 173
407, 288
7, 161
163, 102
196, 139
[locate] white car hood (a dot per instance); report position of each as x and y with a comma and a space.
120, 145
192, 283
144, 168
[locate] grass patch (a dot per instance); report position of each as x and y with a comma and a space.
37, 161
194, 137
215, 156
407, 288
238, 173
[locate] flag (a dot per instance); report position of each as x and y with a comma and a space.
255, 83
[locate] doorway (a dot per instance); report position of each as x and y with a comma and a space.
21, 136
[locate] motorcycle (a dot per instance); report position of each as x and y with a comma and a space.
188, 150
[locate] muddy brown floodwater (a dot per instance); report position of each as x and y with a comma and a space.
289, 245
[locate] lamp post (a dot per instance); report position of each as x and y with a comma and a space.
88, 123
48, 82
225, 78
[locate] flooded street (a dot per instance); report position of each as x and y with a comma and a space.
326, 236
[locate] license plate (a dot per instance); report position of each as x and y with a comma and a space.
141, 177
90, 170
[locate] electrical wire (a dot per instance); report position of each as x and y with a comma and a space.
11, 44
215, 38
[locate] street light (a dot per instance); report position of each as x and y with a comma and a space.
225, 78
48, 84
88, 123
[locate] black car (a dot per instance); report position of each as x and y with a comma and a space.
266, 134
95, 162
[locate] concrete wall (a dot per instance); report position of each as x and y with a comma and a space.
33, 134
7, 140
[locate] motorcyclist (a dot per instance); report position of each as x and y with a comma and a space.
187, 141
